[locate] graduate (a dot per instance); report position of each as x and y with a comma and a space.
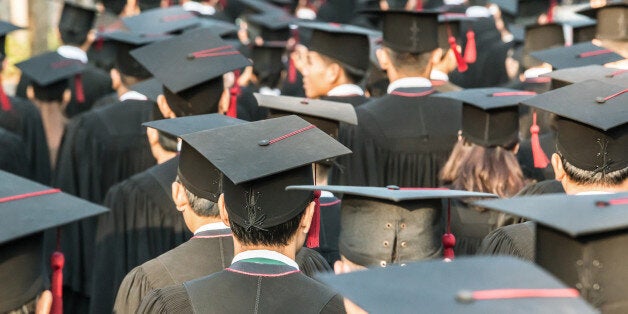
13, 154
269, 224
21, 117
404, 137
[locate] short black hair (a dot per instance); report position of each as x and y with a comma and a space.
72, 37
356, 76
52, 92
581, 176
415, 62
168, 142
201, 206
272, 236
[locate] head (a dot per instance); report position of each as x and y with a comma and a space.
407, 64
57, 92
163, 146
127, 71
199, 99
195, 209
322, 73
576, 180
75, 25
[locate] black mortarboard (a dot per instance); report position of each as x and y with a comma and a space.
490, 116
161, 21
5, 28
218, 27
197, 174
75, 22
332, 40
392, 225
582, 30
271, 27
407, 31
259, 159
579, 239
592, 128
576, 56
466, 285
568, 76
612, 19
146, 5
268, 63
325, 115
114, 6
151, 88
540, 37
127, 41
50, 68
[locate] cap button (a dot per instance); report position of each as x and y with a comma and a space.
392, 187
600, 100
304, 102
191, 56
464, 296
263, 143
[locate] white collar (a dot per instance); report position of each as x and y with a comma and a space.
535, 72
265, 90
346, 90
593, 193
72, 52
478, 11
132, 95
327, 194
439, 75
212, 226
408, 82
265, 254
199, 8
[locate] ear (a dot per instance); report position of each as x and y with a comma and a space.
437, 55
515, 149
338, 268
66, 98
332, 72
557, 164
153, 136
178, 195
224, 215
306, 219
383, 58
116, 81
30, 93
224, 101
165, 110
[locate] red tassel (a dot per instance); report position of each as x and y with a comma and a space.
315, 228
550, 11
56, 262
5, 103
292, 71
470, 52
100, 41
234, 92
462, 66
449, 240
419, 5
78, 88
540, 159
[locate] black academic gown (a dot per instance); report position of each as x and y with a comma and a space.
206, 253
12, 154
354, 100
96, 84
24, 120
526, 159
246, 287
248, 109
100, 148
143, 223
330, 228
403, 138
515, 240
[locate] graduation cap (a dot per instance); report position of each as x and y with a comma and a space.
577, 55
75, 22
579, 240
191, 66
540, 37
127, 41
49, 73
407, 31
490, 116
325, 115
151, 88
592, 125
332, 40
29, 208
268, 63
270, 27
259, 159
382, 226
582, 30
568, 76
220, 28
611, 18
114, 6
467, 285
5, 28
178, 127
161, 20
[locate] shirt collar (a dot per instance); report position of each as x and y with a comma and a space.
264, 90
346, 90
132, 95
265, 254
72, 52
212, 226
327, 194
439, 76
409, 82
594, 193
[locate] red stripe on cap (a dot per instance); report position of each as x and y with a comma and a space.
28, 195
423, 189
619, 201
63, 63
508, 94
293, 133
617, 73
403, 94
213, 52
177, 17
594, 53
524, 293
602, 100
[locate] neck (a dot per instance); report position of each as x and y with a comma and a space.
122, 90
199, 221
289, 250
54, 121
574, 188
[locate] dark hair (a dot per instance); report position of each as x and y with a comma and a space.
581, 176
167, 142
271, 236
409, 62
73, 37
201, 206
352, 74
52, 92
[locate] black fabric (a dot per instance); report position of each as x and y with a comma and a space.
100, 148
143, 223
526, 160
398, 140
330, 228
247, 105
205, 254
355, 100
311, 262
13, 154
24, 120
515, 240
21, 272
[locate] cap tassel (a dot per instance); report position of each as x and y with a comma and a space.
315, 228
550, 11
540, 159
418, 6
449, 240
100, 41
234, 92
462, 66
78, 88
56, 262
292, 71
5, 103
470, 52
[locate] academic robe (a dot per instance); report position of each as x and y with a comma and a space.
248, 109
96, 84
12, 154
330, 228
100, 148
402, 138
24, 120
143, 223
354, 100
246, 287
526, 159
206, 253
517, 240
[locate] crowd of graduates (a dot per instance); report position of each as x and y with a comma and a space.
308, 156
